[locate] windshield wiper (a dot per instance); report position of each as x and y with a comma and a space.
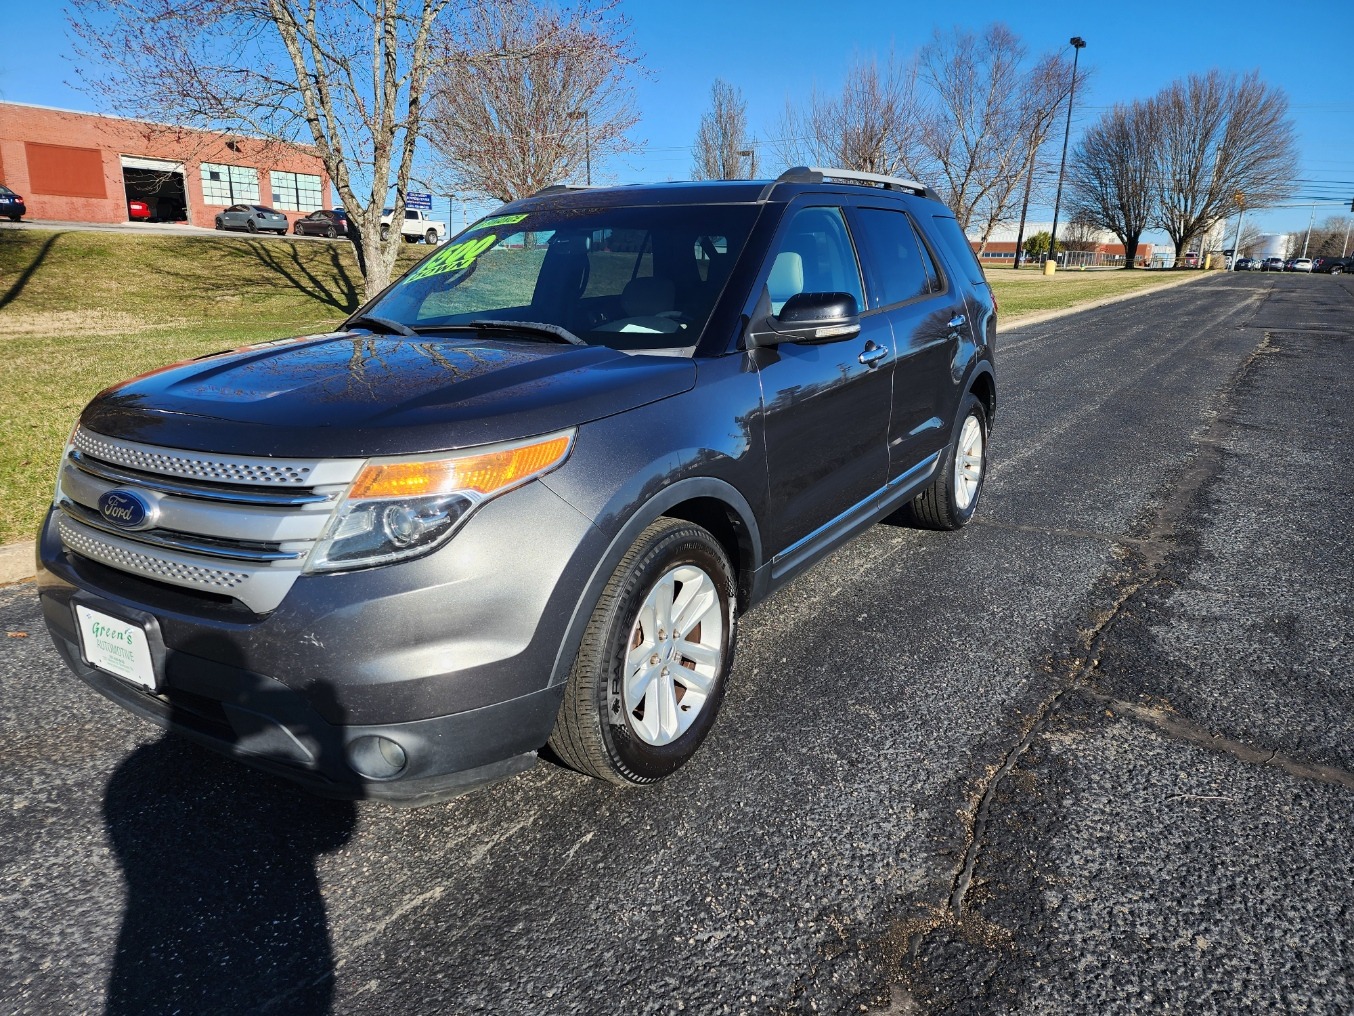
384, 324
532, 329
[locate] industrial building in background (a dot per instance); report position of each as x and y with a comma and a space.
82, 167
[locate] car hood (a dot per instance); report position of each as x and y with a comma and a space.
355, 394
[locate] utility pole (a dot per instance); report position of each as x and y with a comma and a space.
1024, 209
1236, 244
1310, 222
1051, 265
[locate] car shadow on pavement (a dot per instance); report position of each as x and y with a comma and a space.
224, 911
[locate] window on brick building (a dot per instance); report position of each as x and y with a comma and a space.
295, 192
227, 185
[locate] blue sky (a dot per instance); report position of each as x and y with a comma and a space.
779, 50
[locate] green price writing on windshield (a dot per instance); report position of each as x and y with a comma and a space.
502, 220
453, 258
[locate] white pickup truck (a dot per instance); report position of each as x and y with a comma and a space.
417, 226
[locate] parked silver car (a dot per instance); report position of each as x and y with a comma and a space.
253, 218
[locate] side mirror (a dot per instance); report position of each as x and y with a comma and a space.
808, 317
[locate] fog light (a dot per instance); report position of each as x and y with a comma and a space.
377, 758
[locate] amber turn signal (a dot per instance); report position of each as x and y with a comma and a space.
484, 472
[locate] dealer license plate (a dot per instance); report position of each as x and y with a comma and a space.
115, 646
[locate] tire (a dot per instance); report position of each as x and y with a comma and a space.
613, 723
331, 232
430, 238
385, 233
952, 497
1337, 270
220, 224
251, 225
409, 239
15, 218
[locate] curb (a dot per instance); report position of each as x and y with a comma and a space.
17, 562
1040, 316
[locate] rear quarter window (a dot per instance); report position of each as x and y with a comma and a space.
957, 247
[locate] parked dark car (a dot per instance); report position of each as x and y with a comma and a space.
11, 204
252, 218
330, 222
1274, 264
524, 496
1243, 265
1331, 265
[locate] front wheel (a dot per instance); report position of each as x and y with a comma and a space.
952, 497
385, 233
649, 676
220, 224
430, 238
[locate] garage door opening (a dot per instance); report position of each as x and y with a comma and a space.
158, 186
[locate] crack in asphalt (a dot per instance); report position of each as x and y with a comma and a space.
1145, 557
1181, 728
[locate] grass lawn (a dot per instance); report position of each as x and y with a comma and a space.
1029, 291
80, 310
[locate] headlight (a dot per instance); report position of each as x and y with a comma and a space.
403, 507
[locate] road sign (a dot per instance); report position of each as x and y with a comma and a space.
420, 201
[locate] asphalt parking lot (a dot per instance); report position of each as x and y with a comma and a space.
1094, 754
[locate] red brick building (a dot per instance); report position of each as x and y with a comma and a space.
80, 167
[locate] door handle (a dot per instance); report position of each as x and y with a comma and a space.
872, 355
957, 321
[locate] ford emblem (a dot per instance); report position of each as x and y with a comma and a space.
127, 509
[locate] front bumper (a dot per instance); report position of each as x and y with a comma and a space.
456, 657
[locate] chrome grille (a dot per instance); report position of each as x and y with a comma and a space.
216, 468
223, 525
107, 550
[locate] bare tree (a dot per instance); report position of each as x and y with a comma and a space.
1037, 98
1330, 238
1079, 233
344, 75
527, 95
1220, 140
872, 126
722, 136
1111, 178
972, 136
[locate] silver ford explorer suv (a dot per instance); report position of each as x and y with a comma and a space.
522, 498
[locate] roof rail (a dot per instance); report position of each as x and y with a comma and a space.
820, 174
560, 188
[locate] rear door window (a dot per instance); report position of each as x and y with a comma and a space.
892, 257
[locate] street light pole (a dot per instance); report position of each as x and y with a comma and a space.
582, 114
751, 155
1051, 265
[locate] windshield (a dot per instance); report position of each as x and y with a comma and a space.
630, 278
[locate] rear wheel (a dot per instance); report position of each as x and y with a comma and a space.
251, 225
952, 498
330, 232
649, 677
